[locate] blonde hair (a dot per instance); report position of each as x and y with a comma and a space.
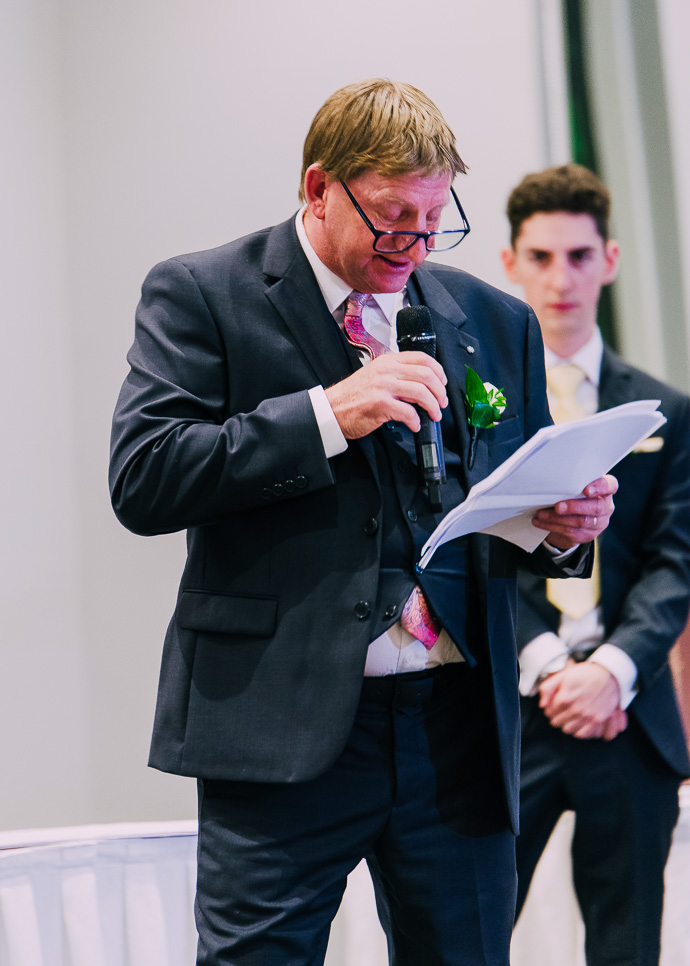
382, 125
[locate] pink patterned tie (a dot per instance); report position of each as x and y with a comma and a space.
416, 616
417, 619
354, 327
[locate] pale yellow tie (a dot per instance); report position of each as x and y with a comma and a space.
574, 596
564, 381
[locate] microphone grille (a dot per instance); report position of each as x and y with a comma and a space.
415, 330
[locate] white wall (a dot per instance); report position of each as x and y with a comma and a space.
139, 130
43, 724
674, 28
640, 72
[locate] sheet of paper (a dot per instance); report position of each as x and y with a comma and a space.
555, 464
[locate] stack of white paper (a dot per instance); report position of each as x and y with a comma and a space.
556, 464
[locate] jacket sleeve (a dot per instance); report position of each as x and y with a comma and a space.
537, 415
179, 457
655, 608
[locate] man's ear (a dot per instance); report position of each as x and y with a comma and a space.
508, 259
316, 184
611, 255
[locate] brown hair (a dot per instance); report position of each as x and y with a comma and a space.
382, 125
569, 187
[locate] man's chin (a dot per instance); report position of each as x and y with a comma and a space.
390, 279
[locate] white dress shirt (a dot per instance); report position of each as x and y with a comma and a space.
549, 652
395, 651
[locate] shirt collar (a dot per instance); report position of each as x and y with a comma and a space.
333, 288
588, 358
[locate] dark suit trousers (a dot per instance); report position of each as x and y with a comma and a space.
410, 792
626, 806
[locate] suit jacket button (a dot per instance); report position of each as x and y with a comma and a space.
300, 482
391, 610
266, 493
412, 515
362, 610
278, 489
289, 486
371, 527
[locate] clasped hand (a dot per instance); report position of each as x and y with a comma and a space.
583, 700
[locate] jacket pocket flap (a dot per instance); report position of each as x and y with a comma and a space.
227, 613
504, 430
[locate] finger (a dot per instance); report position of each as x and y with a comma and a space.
411, 380
421, 359
572, 522
561, 717
562, 537
402, 412
581, 507
566, 723
616, 723
549, 688
419, 395
611, 728
589, 730
604, 486
387, 378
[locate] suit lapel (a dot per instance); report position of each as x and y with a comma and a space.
293, 291
614, 382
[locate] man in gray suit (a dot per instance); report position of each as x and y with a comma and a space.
332, 702
601, 732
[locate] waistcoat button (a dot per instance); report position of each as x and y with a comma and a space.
362, 609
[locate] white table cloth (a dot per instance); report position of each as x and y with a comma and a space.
122, 895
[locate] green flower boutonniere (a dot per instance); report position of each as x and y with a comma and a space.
485, 404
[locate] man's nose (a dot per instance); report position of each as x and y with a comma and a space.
418, 251
561, 275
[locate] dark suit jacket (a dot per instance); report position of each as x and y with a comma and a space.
644, 559
214, 432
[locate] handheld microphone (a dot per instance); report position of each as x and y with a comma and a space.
415, 332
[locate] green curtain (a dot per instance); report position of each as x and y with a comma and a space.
582, 141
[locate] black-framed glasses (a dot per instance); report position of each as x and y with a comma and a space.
441, 240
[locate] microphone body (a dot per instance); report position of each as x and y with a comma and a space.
415, 332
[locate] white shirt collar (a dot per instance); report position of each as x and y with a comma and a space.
333, 288
588, 358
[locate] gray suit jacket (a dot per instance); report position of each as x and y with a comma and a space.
214, 433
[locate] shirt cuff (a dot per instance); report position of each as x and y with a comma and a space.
560, 554
543, 655
331, 434
620, 666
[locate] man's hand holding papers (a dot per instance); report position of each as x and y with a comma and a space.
554, 484
571, 522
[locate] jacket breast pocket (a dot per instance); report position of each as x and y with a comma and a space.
504, 432
199, 610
